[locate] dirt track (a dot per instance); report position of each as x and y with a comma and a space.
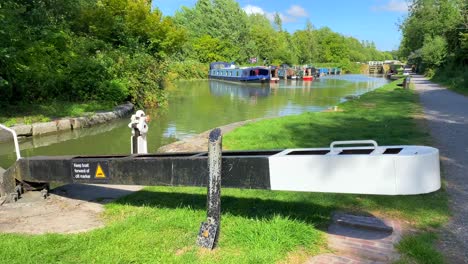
70, 208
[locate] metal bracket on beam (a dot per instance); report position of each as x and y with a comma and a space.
209, 230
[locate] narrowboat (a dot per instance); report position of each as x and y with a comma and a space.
307, 73
286, 72
229, 72
274, 74
322, 72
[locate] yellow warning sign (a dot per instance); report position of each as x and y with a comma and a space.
99, 172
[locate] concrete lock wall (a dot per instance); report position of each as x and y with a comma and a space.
64, 124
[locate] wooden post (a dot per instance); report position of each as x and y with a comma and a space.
209, 230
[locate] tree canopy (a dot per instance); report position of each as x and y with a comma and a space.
435, 32
115, 50
240, 36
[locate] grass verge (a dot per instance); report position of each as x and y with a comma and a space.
387, 115
454, 77
160, 224
419, 248
28, 114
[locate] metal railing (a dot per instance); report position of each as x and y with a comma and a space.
15, 139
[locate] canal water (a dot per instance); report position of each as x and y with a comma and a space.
196, 106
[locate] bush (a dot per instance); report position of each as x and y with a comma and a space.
114, 90
187, 70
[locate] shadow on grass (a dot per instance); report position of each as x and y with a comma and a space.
247, 207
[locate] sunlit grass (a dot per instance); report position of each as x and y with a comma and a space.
28, 114
160, 224
389, 116
420, 248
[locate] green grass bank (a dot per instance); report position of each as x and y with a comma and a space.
391, 116
44, 112
453, 76
160, 224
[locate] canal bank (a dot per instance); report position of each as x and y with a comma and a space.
67, 123
197, 106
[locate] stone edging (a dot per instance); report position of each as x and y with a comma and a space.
69, 123
200, 142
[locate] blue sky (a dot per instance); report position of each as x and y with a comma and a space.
373, 20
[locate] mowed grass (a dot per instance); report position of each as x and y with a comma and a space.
388, 115
160, 224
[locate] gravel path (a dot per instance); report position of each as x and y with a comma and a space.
446, 113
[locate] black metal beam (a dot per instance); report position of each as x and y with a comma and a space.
239, 169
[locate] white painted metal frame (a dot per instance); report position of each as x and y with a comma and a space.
414, 170
15, 139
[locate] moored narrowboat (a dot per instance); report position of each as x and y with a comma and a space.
229, 72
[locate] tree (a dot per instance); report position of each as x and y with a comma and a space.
306, 43
278, 22
434, 50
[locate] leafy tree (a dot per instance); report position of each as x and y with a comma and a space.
307, 45
434, 50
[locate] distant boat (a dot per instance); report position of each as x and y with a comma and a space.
307, 73
229, 72
286, 72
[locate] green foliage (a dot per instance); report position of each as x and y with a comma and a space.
454, 76
115, 50
435, 38
433, 17
208, 49
434, 50
221, 30
187, 70
84, 50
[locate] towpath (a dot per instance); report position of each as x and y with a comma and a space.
446, 113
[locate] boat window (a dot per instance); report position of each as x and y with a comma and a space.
263, 72
254, 72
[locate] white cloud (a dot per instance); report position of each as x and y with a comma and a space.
294, 12
250, 9
392, 6
297, 11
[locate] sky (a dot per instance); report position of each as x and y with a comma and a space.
372, 20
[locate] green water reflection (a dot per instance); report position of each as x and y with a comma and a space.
196, 106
